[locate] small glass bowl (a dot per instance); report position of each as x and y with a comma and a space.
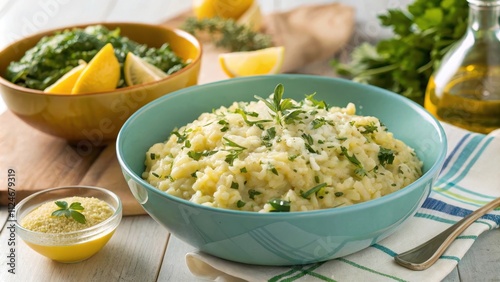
73, 246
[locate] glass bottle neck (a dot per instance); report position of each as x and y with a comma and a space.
484, 15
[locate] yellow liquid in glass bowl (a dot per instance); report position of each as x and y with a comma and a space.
72, 253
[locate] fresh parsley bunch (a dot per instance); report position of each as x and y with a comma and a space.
423, 33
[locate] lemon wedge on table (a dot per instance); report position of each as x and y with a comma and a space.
102, 73
220, 8
138, 71
252, 17
65, 84
259, 62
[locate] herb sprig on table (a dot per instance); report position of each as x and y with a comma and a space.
423, 33
71, 211
228, 34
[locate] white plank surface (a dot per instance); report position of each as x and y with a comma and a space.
174, 267
134, 253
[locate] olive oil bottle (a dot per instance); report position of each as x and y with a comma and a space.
465, 89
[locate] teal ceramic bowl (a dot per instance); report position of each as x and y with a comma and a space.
281, 238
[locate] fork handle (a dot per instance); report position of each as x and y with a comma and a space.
426, 254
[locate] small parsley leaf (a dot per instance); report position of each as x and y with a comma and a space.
279, 205
71, 211
311, 191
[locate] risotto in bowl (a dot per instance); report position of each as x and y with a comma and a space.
281, 170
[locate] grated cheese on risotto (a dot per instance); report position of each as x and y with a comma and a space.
281, 155
41, 219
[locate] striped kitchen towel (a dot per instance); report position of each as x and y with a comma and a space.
469, 179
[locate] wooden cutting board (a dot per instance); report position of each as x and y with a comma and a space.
41, 161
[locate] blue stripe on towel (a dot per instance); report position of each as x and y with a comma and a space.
437, 205
464, 154
471, 163
454, 151
385, 249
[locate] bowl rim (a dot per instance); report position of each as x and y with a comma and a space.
428, 175
117, 212
181, 33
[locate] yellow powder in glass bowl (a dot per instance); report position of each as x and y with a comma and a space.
42, 220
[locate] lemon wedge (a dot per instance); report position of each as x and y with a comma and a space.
222, 8
65, 84
252, 17
102, 73
259, 62
137, 71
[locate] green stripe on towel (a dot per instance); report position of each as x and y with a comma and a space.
369, 269
299, 272
435, 218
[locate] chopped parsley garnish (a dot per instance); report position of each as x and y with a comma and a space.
385, 156
352, 158
317, 103
319, 122
270, 135
292, 157
197, 155
234, 153
369, 128
234, 185
310, 149
232, 143
309, 142
152, 156
360, 171
180, 138
339, 194
279, 205
272, 168
155, 174
225, 125
252, 193
311, 191
243, 170
253, 114
248, 122
308, 138
292, 116
240, 204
